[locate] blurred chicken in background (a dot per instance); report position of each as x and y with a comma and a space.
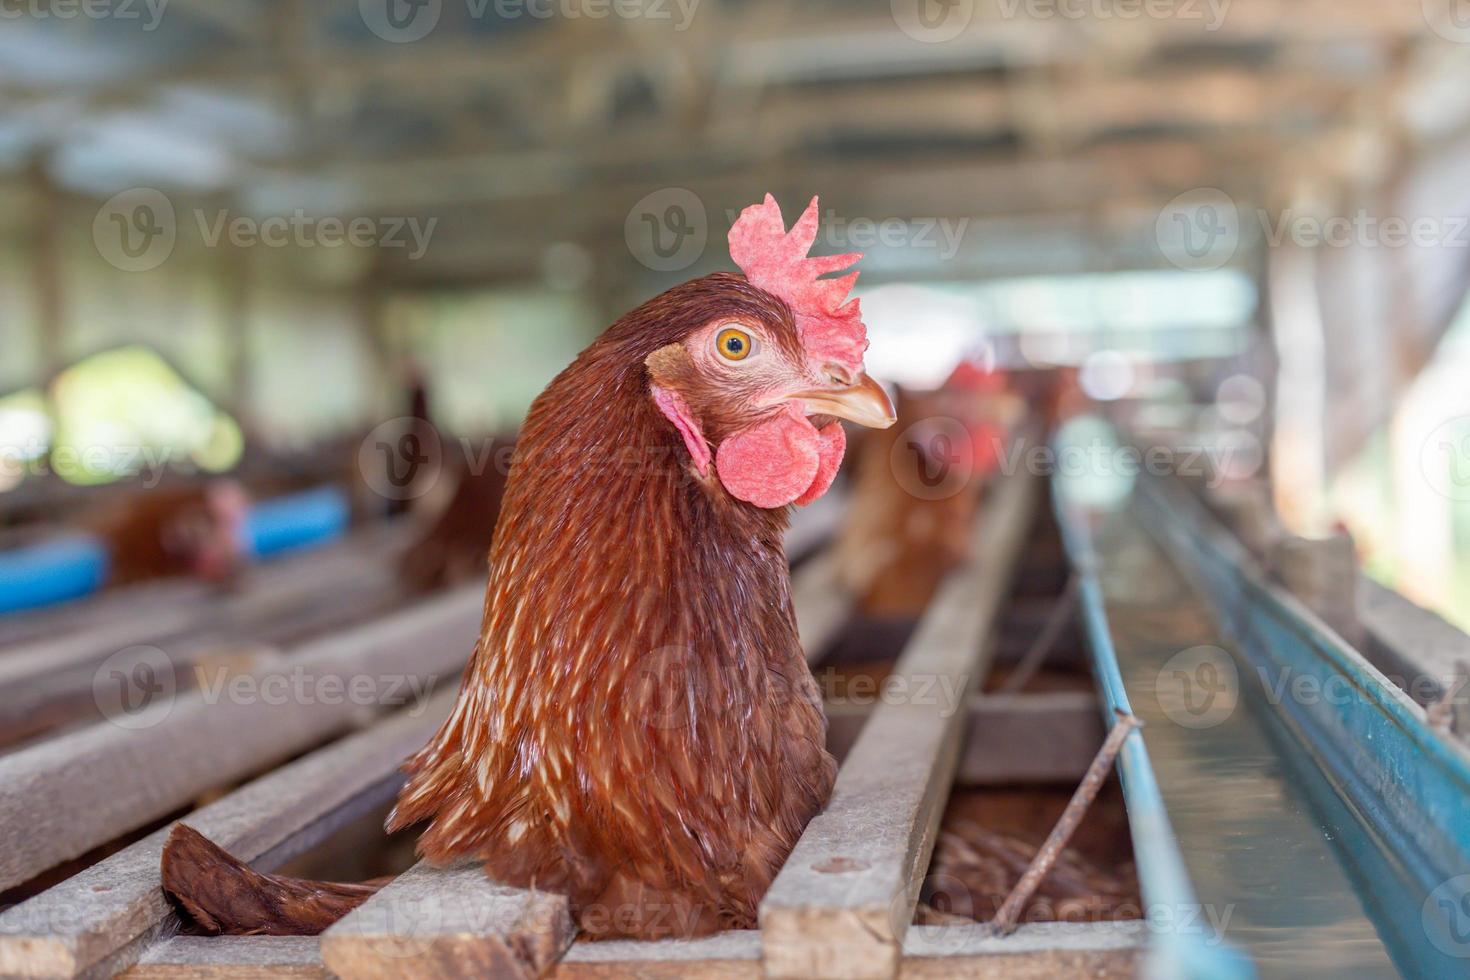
916, 491
459, 525
187, 530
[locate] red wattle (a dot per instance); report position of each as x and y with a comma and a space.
773, 463
833, 443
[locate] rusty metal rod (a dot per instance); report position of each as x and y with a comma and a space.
1009, 912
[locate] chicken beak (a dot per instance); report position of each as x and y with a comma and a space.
865, 403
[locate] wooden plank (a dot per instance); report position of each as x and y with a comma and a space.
1416, 649
733, 955
48, 695
1019, 739
57, 665
1040, 951
814, 525
90, 786
965, 949
230, 958
116, 607
1031, 739
845, 897
100, 919
453, 922
142, 599
822, 603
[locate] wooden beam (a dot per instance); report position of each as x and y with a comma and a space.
1039, 951
844, 899
814, 525
1018, 739
275, 601
230, 958
99, 920
449, 923
134, 601
1415, 649
822, 603
94, 785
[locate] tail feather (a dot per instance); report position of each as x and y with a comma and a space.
226, 896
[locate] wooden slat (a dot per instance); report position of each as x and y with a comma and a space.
101, 919
57, 669
815, 524
1019, 739
70, 617
453, 922
230, 958
846, 895
725, 956
50, 697
1041, 951
1417, 649
822, 604
89, 787
1031, 739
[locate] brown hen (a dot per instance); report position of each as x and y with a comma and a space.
637, 727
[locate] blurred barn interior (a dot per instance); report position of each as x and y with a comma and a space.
279, 279
1129, 191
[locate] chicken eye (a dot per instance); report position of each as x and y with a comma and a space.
734, 345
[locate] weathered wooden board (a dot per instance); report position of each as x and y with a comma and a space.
1019, 739
1041, 951
90, 786
143, 599
230, 958
1416, 649
843, 901
50, 678
453, 922
164, 610
41, 704
103, 917
815, 524
822, 604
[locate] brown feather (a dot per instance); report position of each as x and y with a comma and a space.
637, 727
223, 894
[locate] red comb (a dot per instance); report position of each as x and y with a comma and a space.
972, 375
774, 259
